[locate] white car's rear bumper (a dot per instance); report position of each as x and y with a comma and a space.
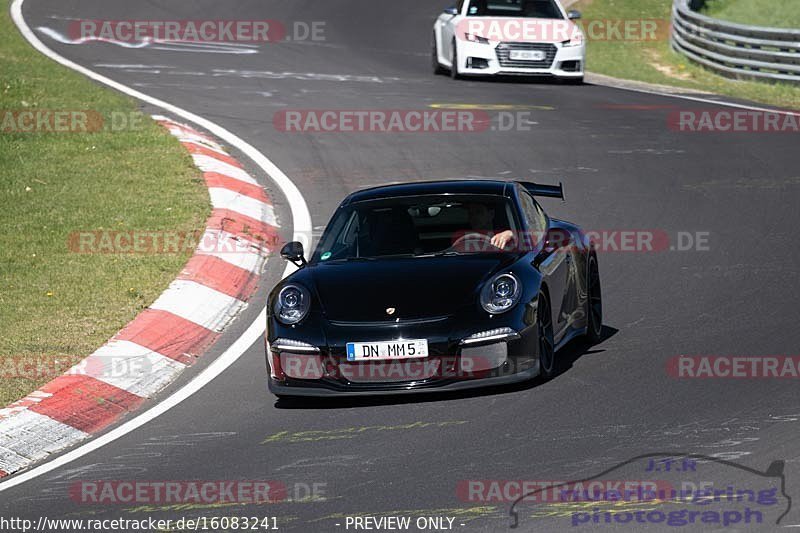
494, 59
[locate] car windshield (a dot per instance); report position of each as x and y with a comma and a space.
416, 227
544, 9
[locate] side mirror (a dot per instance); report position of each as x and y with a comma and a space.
293, 252
574, 14
451, 11
555, 239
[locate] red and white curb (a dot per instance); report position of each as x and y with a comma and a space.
163, 340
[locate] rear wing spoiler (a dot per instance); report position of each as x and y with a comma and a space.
549, 191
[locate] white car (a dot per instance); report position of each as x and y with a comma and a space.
509, 37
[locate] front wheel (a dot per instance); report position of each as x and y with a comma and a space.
437, 67
454, 63
594, 303
547, 355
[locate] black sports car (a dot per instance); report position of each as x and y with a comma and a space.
433, 285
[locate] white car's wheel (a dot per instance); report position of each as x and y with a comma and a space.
437, 67
454, 63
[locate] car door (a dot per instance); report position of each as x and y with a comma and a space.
553, 264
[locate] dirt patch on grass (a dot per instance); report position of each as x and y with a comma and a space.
654, 59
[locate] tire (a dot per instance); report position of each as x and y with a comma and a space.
437, 68
594, 303
544, 323
454, 64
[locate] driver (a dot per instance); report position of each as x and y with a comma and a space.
481, 219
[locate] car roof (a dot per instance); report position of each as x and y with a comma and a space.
492, 187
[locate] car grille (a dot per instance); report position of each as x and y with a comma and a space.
504, 49
404, 371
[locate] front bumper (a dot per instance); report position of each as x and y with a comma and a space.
321, 368
494, 59
321, 389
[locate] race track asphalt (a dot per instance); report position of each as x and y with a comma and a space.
622, 168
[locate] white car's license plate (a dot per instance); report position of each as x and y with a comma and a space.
527, 55
385, 351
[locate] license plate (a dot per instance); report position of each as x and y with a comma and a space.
527, 55
385, 351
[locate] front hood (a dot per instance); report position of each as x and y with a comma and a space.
358, 291
536, 30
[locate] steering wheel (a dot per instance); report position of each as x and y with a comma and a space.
475, 239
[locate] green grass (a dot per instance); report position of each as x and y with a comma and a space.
56, 304
655, 61
769, 13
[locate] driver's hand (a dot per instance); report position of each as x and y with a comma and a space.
501, 240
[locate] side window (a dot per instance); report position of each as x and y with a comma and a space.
542, 216
340, 237
460, 6
533, 213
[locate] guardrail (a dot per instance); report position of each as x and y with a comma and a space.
735, 50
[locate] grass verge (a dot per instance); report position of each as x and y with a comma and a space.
769, 13
654, 61
57, 306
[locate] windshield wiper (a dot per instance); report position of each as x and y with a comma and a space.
348, 259
446, 253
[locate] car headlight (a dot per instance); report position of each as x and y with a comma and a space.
292, 304
471, 37
501, 294
575, 40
